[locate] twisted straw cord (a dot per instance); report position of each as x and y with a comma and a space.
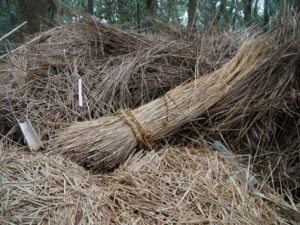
143, 137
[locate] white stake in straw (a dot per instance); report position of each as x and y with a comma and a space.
80, 101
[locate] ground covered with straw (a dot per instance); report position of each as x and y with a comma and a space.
174, 185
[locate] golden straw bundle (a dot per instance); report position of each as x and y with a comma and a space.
118, 69
104, 143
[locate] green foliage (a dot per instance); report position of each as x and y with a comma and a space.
172, 11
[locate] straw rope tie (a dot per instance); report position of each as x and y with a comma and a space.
143, 137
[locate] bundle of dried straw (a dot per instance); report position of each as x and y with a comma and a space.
263, 68
119, 70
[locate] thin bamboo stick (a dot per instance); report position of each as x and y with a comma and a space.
13, 31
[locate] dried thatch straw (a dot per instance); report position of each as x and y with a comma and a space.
255, 80
37, 189
119, 70
174, 185
126, 70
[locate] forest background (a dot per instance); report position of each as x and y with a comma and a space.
140, 14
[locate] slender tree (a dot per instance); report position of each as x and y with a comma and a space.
151, 7
52, 9
35, 13
10, 15
255, 10
109, 14
222, 12
138, 14
266, 15
90, 7
231, 13
297, 5
169, 10
247, 11
192, 5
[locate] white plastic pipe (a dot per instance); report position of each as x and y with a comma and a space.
80, 101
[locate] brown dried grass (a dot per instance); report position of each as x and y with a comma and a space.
119, 70
174, 185
258, 79
126, 70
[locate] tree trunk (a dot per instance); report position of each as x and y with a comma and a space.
90, 7
192, 14
266, 15
109, 15
255, 11
35, 13
151, 7
10, 16
231, 7
52, 9
223, 12
169, 8
247, 11
151, 13
297, 5
138, 16
232, 14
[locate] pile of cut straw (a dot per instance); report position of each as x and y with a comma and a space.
242, 94
118, 69
174, 185
140, 90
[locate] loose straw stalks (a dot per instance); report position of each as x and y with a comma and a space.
104, 143
151, 188
119, 70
